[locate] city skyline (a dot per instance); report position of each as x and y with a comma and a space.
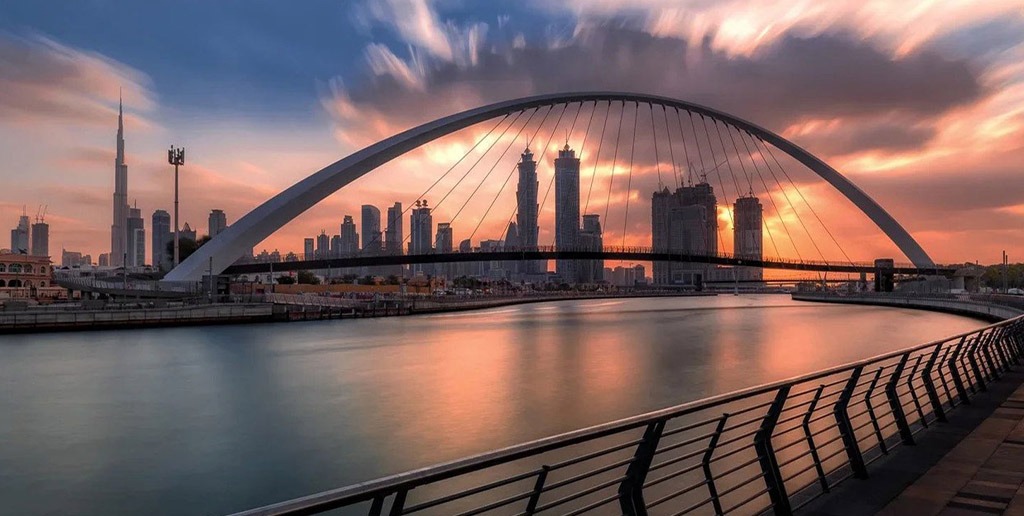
898, 143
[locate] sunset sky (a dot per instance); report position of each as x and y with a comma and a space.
920, 104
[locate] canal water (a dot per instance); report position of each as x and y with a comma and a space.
210, 420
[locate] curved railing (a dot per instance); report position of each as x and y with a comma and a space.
772, 447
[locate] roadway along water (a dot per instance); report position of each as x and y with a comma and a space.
218, 419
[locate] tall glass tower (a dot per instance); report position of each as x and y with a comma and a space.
567, 208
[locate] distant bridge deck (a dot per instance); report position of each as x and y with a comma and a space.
635, 254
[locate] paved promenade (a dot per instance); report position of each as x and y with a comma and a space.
972, 465
984, 474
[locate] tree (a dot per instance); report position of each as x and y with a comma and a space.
285, 280
308, 278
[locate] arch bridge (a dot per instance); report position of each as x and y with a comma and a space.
223, 250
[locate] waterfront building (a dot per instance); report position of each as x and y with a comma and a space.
493, 269
567, 208
40, 239
119, 228
591, 271
104, 260
20, 236
23, 271
370, 221
163, 241
747, 236
349, 237
471, 269
308, 247
444, 243
527, 212
218, 222
684, 221
136, 238
420, 233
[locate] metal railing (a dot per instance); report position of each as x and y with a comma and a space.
767, 448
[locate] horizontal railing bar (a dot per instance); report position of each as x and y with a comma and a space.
691, 426
755, 496
588, 508
736, 468
582, 493
682, 444
499, 503
669, 476
801, 472
740, 484
694, 506
473, 491
676, 494
594, 455
588, 474
669, 462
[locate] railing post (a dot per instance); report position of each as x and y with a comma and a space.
894, 402
871, 412
846, 428
972, 357
706, 464
958, 382
913, 391
998, 344
398, 506
929, 386
631, 490
538, 488
766, 454
986, 350
806, 424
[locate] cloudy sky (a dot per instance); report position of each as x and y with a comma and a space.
920, 104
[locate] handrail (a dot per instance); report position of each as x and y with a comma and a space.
781, 464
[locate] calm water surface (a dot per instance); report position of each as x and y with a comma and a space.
219, 419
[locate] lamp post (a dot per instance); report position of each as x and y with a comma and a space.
176, 157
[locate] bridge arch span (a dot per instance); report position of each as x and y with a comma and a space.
258, 224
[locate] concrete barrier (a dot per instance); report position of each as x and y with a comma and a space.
988, 309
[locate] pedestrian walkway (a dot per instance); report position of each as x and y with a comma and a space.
984, 474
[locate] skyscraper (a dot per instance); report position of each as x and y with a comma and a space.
444, 242
19, 236
162, 238
187, 233
684, 221
393, 234
119, 229
567, 208
218, 222
591, 271
747, 238
420, 232
40, 238
308, 252
323, 246
372, 242
526, 211
136, 238
349, 237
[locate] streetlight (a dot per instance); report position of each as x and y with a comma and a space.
176, 157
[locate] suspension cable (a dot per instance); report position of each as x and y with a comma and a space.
768, 193
671, 149
377, 238
554, 129
797, 213
629, 181
771, 198
597, 157
718, 173
615, 157
795, 187
657, 157
489, 171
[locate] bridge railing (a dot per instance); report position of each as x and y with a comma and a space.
767, 448
605, 249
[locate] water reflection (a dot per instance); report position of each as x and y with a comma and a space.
211, 420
